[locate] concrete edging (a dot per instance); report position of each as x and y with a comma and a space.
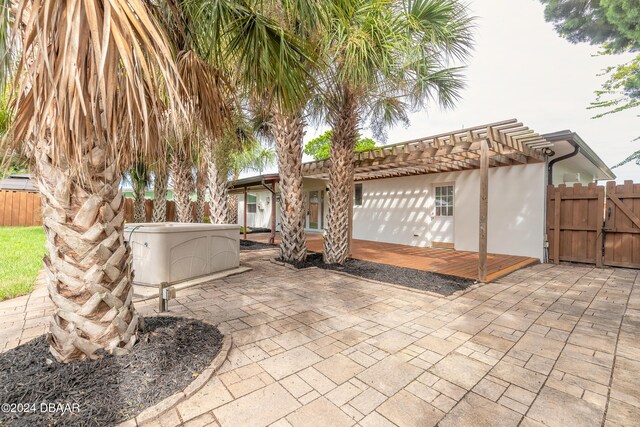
149, 414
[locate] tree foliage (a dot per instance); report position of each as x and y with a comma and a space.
615, 26
319, 147
599, 22
253, 157
612, 24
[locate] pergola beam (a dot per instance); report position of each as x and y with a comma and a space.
509, 143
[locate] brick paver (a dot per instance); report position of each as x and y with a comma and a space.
546, 345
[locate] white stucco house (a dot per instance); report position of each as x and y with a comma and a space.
426, 192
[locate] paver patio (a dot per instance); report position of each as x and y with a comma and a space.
546, 345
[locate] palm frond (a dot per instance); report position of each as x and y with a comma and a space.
205, 91
270, 58
93, 76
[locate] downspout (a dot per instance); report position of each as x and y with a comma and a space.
550, 164
574, 153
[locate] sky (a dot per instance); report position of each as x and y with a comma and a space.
521, 68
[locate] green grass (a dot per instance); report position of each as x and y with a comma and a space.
21, 251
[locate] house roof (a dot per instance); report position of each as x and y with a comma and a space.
510, 142
603, 171
254, 182
18, 182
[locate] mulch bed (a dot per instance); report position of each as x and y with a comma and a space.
416, 279
169, 356
250, 245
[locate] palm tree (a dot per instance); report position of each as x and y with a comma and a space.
237, 151
139, 180
237, 138
217, 177
268, 45
287, 120
160, 184
88, 102
202, 176
386, 58
182, 178
207, 96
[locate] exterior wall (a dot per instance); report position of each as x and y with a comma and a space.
262, 217
399, 210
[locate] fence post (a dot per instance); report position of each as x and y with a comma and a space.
600, 222
557, 194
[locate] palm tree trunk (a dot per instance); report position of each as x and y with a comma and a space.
201, 191
182, 174
343, 142
288, 132
232, 208
218, 207
232, 202
88, 266
139, 212
159, 197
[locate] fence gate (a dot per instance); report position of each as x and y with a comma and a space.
622, 225
574, 223
586, 224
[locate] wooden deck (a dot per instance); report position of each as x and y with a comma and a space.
443, 261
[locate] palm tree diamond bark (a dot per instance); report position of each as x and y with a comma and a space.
88, 266
183, 186
159, 197
343, 142
139, 211
201, 192
288, 131
218, 207
232, 208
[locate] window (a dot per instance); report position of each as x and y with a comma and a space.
251, 203
357, 197
444, 200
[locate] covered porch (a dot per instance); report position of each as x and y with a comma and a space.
442, 261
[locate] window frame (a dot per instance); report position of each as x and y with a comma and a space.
444, 203
252, 207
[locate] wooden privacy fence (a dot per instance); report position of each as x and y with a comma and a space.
20, 208
148, 207
587, 224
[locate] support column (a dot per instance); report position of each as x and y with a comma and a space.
244, 222
272, 237
484, 210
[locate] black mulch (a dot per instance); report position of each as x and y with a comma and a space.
250, 245
169, 356
416, 279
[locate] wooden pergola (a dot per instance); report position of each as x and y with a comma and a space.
497, 144
509, 143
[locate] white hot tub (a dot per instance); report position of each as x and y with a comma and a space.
173, 252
